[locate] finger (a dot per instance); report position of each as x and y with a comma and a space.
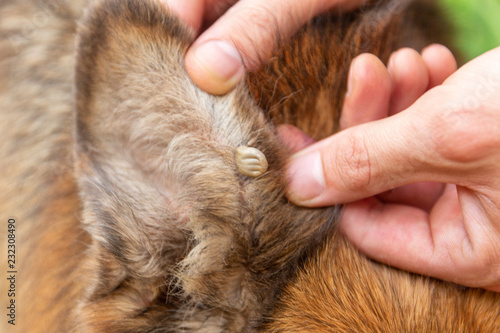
430, 141
480, 214
420, 195
409, 78
385, 231
189, 11
368, 92
437, 245
245, 36
358, 162
215, 9
199, 14
440, 63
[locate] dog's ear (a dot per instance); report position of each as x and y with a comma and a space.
128, 79
162, 196
160, 189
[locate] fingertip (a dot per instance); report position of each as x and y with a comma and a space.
410, 78
306, 179
355, 221
440, 62
368, 92
215, 66
313, 176
190, 12
216, 72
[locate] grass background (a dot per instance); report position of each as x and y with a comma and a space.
477, 23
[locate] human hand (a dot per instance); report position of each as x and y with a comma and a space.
449, 229
241, 35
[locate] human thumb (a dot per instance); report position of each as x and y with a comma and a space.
359, 162
246, 36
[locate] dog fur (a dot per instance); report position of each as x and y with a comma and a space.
131, 213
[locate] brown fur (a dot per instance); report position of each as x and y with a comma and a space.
154, 229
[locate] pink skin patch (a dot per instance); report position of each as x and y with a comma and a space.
294, 138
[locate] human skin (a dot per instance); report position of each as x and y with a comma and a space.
225, 48
447, 135
417, 159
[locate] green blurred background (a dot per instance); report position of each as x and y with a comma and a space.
477, 23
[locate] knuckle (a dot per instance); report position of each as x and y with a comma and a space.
478, 264
447, 132
262, 16
352, 164
258, 45
490, 258
462, 134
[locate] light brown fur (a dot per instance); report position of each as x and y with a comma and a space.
153, 229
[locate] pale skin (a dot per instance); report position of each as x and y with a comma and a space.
238, 36
418, 159
447, 135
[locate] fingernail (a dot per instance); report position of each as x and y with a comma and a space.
351, 80
220, 60
307, 178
